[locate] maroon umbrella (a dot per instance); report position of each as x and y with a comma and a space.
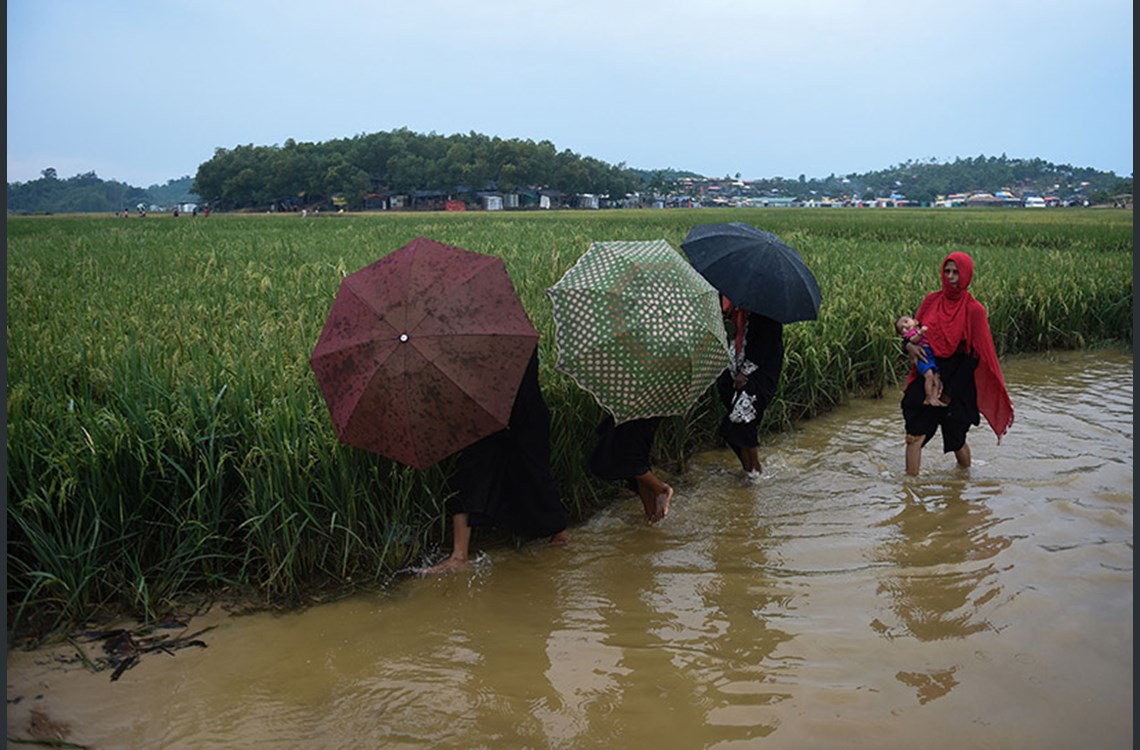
423, 352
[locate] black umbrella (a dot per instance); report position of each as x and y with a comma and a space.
754, 269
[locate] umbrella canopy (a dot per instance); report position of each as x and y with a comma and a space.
423, 352
754, 269
638, 328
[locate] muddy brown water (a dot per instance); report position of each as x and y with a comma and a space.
837, 603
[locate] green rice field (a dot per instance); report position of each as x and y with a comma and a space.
166, 438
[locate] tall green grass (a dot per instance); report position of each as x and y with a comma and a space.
166, 436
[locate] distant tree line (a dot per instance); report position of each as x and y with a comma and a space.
406, 163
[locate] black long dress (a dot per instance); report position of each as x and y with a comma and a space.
764, 348
505, 479
622, 451
955, 420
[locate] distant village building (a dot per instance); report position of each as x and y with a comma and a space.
771, 201
983, 200
950, 201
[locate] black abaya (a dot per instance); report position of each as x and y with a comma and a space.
622, 452
505, 479
764, 347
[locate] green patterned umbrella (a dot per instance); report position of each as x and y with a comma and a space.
639, 329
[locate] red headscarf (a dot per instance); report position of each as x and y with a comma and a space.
739, 317
953, 318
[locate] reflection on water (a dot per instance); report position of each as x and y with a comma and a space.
836, 603
941, 576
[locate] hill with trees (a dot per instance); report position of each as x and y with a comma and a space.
87, 193
924, 181
427, 169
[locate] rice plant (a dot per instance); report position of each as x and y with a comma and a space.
166, 437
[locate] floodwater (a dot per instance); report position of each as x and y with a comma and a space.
837, 603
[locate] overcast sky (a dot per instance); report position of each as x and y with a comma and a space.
144, 92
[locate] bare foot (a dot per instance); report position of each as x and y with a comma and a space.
448, 565
650, 505
661, 505
559, 539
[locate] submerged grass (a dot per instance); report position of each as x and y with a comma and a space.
166, 436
